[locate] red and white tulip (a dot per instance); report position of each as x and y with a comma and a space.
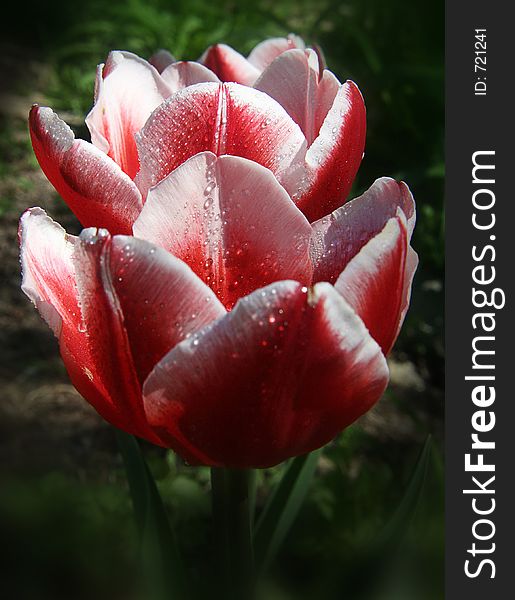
225, 300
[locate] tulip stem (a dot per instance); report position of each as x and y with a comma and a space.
233, 532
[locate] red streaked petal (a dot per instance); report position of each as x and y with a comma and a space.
128, 89
338, 237
50, 279
47, 269
322, 182
122, 345
130, 292
161, 59
293, 80
279, 376
328, 88
407, 205
181, 74
109, 368
221, 118
231, 222
374, 282
409, 274
268, 50
93, 185
162, 301
229, 65
113, 304
322, 62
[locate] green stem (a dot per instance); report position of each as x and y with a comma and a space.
233, 534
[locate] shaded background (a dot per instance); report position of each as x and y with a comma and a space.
65, 515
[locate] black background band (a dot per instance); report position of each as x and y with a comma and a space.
478, 123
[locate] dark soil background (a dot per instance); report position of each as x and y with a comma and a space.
65, 514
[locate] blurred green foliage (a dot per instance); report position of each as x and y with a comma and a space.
74, 536
76, 539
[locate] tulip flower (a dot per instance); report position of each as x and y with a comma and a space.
225, 299
230, 65
297, 121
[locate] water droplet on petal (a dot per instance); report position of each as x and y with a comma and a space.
209, 188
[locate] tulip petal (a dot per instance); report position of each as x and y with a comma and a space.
161, 59
131, 296
374, 282
229, 65
338, 237
47, 269
183, 73
107, 367
279, 376
149, 298
293, 80
322, 62
231, 222
268, 50
113, 304
161, 299
221, 118
409, 274
321, 182
127, 91
93, 185
49, 279
128, 334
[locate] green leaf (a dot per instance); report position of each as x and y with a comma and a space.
282, 508
401, 519
253, 485
372, 565
161, 559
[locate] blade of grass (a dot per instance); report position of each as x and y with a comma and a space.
160, 554
282, 508
401, 519
366, 572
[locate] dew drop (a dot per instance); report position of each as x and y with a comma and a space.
209, 188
